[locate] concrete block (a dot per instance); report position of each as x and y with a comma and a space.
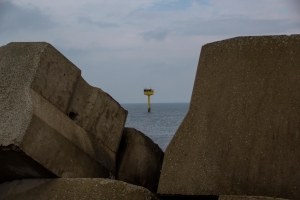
139, 160
102, 117
40, 67
241, 133
73, 189
231, 197
37, 84
22, 65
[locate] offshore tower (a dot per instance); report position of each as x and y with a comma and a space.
148, 92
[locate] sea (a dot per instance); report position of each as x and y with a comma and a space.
160, 124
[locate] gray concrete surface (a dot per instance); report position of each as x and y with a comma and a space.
38, 90
102, 117
230, 197
73, 189
51, 139
139, 160
241, 135
15, 164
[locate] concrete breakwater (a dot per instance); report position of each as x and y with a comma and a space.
241, 133
239, 140
55, 125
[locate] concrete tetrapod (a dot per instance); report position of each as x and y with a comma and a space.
73, 189
139, 160
241, 133
38, 86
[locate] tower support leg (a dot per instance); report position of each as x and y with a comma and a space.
149, 105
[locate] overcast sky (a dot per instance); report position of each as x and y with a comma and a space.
124, 46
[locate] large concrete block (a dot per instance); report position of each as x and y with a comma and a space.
47, 146
38, 86
73, 189
102, 117
241, 135
23, 69
40, 67
139, 160
230, 197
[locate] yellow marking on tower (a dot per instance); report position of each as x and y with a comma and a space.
148, 92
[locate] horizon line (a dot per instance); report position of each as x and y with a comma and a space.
151, 103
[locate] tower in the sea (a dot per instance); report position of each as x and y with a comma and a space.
148, 92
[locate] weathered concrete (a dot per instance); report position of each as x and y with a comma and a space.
73, 189
51, 139
103, 118
187, 197
229, 197
15, 164
38, 88
139, 160
241, 133
222, 197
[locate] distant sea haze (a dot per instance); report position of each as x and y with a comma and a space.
160, 124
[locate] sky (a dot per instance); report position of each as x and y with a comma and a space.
124, 46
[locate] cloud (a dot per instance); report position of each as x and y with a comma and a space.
127, 45
159, 34
235, 26
295, 4
100, 24
229, 26
14, 18
170, 6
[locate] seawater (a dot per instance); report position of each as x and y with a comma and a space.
160, 124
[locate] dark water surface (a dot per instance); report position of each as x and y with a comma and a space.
160, 124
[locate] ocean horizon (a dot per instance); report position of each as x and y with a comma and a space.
160, 124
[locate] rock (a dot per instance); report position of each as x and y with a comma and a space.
241, 133
38, 86
139, 160
73, 189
